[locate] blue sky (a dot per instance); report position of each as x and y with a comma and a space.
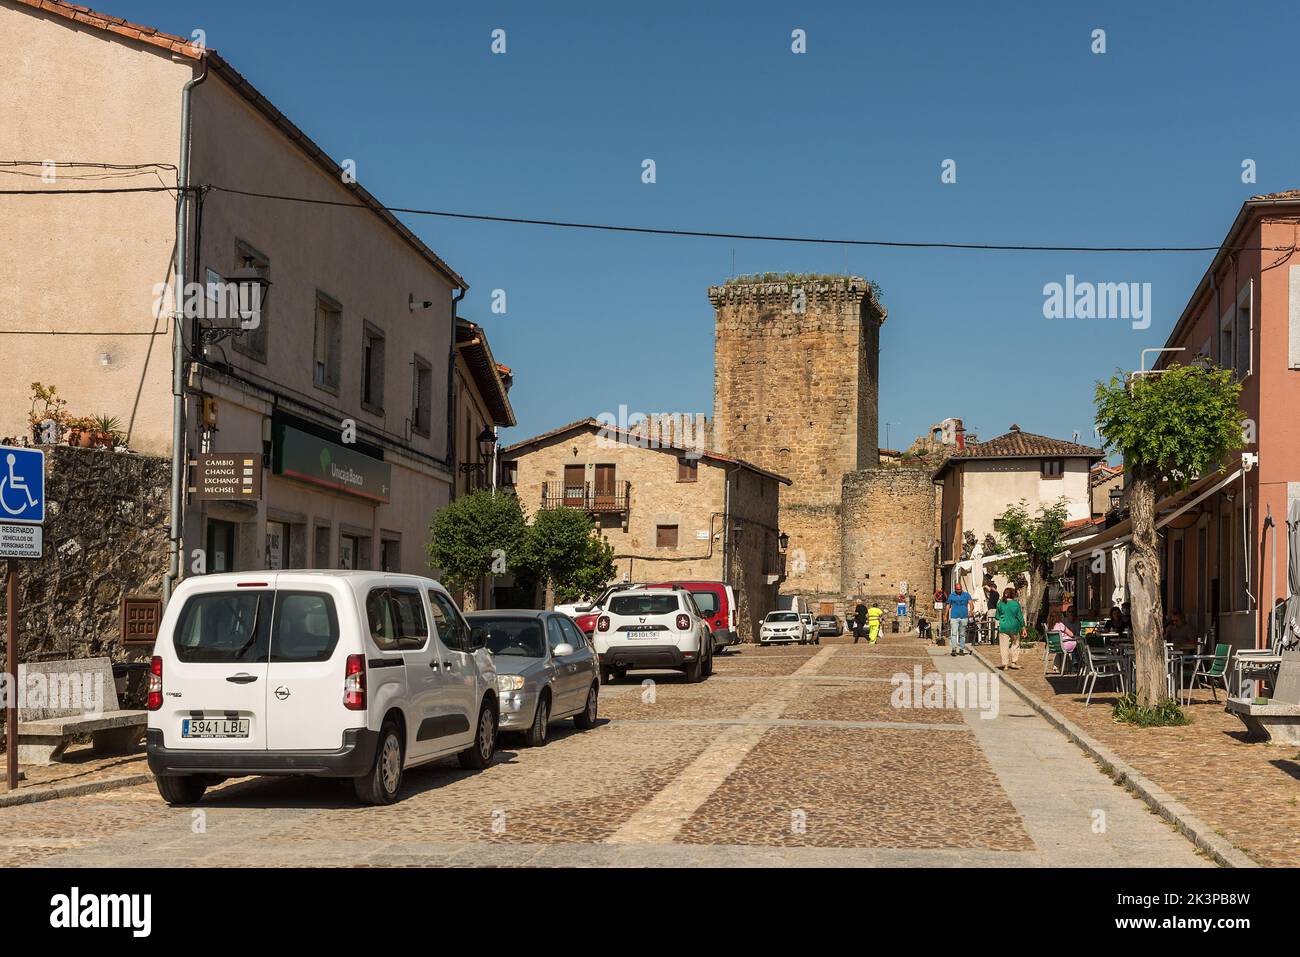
1141, 145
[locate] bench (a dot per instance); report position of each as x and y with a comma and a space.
1276, 722
60, 701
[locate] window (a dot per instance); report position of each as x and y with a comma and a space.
555, 634
224, 628
325, 349
306, 627
665, 536
379, 613
1053, 468
253, 342
1225, 559
349, 551
574, 633
1176, 572
372, 369
390, 555
408, 612
422, 397
1244, 336
688, 470
277, 545
509, 474
707, 602
221, 546
322, 547
451, 626
644, 604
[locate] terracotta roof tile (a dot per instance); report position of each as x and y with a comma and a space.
1284, 194
112, 24
1020, 444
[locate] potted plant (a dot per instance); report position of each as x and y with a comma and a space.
105, 431
80, 431
48, 416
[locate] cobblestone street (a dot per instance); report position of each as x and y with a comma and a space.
786, 755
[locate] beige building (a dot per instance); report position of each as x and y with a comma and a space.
352, 390
670, 513
981, 480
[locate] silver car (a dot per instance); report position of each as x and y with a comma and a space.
546, 670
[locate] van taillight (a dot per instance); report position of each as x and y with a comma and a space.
155, 683
354, 683
683, 622
602, 623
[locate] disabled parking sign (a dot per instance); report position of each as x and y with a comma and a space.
22, 485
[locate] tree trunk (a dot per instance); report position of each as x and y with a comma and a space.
1144, 593
469, 599
550, 595
1034, 601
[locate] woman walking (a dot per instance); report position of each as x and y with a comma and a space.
1011, 627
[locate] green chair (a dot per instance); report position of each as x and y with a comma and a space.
1050, 652
1212, 668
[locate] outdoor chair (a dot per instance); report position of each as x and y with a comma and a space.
1098, 667
1051, 650
1212, 668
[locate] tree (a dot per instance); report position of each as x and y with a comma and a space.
1174, 426
1035, 540
563, 551
474, 535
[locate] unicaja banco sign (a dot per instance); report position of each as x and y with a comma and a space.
308, 458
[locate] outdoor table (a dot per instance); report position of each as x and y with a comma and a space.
1242, 662
1182, 663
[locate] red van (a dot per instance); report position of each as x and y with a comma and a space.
717, 603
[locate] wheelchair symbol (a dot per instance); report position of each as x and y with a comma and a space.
15, 483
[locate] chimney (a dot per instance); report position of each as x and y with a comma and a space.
960, 432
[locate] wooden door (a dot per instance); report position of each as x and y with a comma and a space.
574, 486
604, 486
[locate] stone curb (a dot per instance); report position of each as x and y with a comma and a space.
1159, 800
34, 795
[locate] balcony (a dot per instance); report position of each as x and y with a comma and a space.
609, 499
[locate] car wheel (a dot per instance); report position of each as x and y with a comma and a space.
181, 789
606, 675
479, 754
620, 674
707, 668
380, 784
535, 736
694, 671
586, 718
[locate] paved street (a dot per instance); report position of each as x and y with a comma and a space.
786, 756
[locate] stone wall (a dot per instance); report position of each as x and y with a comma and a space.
105, 537
888, 533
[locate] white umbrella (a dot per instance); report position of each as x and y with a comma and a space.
976, 589
1291, 618
1119, 567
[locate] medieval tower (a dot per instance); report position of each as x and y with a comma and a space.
795, 390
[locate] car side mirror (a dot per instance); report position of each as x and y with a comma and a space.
477, 638
562, 650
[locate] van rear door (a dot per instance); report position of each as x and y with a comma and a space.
215, 670
307, 668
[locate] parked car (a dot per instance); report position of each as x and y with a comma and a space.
809, 629
585, 615
653, 628
781, 628
828, 626
717, 603
546, 670
350, 674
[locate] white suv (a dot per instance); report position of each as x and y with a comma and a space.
782, 628
653, 628
330, 673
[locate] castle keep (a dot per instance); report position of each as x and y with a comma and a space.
796, 391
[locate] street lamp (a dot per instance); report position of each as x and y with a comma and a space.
1115, 495
487, 443
251, 289
784, 541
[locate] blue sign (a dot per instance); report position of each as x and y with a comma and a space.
22, 485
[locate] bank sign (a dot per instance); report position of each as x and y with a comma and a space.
306, 458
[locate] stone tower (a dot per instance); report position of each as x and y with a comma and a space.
795, 390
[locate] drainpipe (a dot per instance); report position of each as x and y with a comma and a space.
726, 528
451, 393
174, 534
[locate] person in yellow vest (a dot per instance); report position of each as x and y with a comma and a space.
875, 614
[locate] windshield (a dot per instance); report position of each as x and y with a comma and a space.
783, 616
643, 604
513, 637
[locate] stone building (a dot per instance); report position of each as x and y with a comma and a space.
670, 512
796, 388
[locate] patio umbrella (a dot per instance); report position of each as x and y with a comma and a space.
976, 588
1291, 618
1119, 567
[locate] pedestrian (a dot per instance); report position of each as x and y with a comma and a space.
875, 615
859, 621
1011, 628
958, 612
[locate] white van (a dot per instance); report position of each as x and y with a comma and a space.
355, 674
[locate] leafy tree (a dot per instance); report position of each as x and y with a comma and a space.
1034, 539
1174, 425
561, 549
474, 535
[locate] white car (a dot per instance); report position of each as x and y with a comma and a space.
653, 628
782, 628
350, 674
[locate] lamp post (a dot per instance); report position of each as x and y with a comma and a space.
251, 288
487, 444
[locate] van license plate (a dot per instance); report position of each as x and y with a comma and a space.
214, 728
